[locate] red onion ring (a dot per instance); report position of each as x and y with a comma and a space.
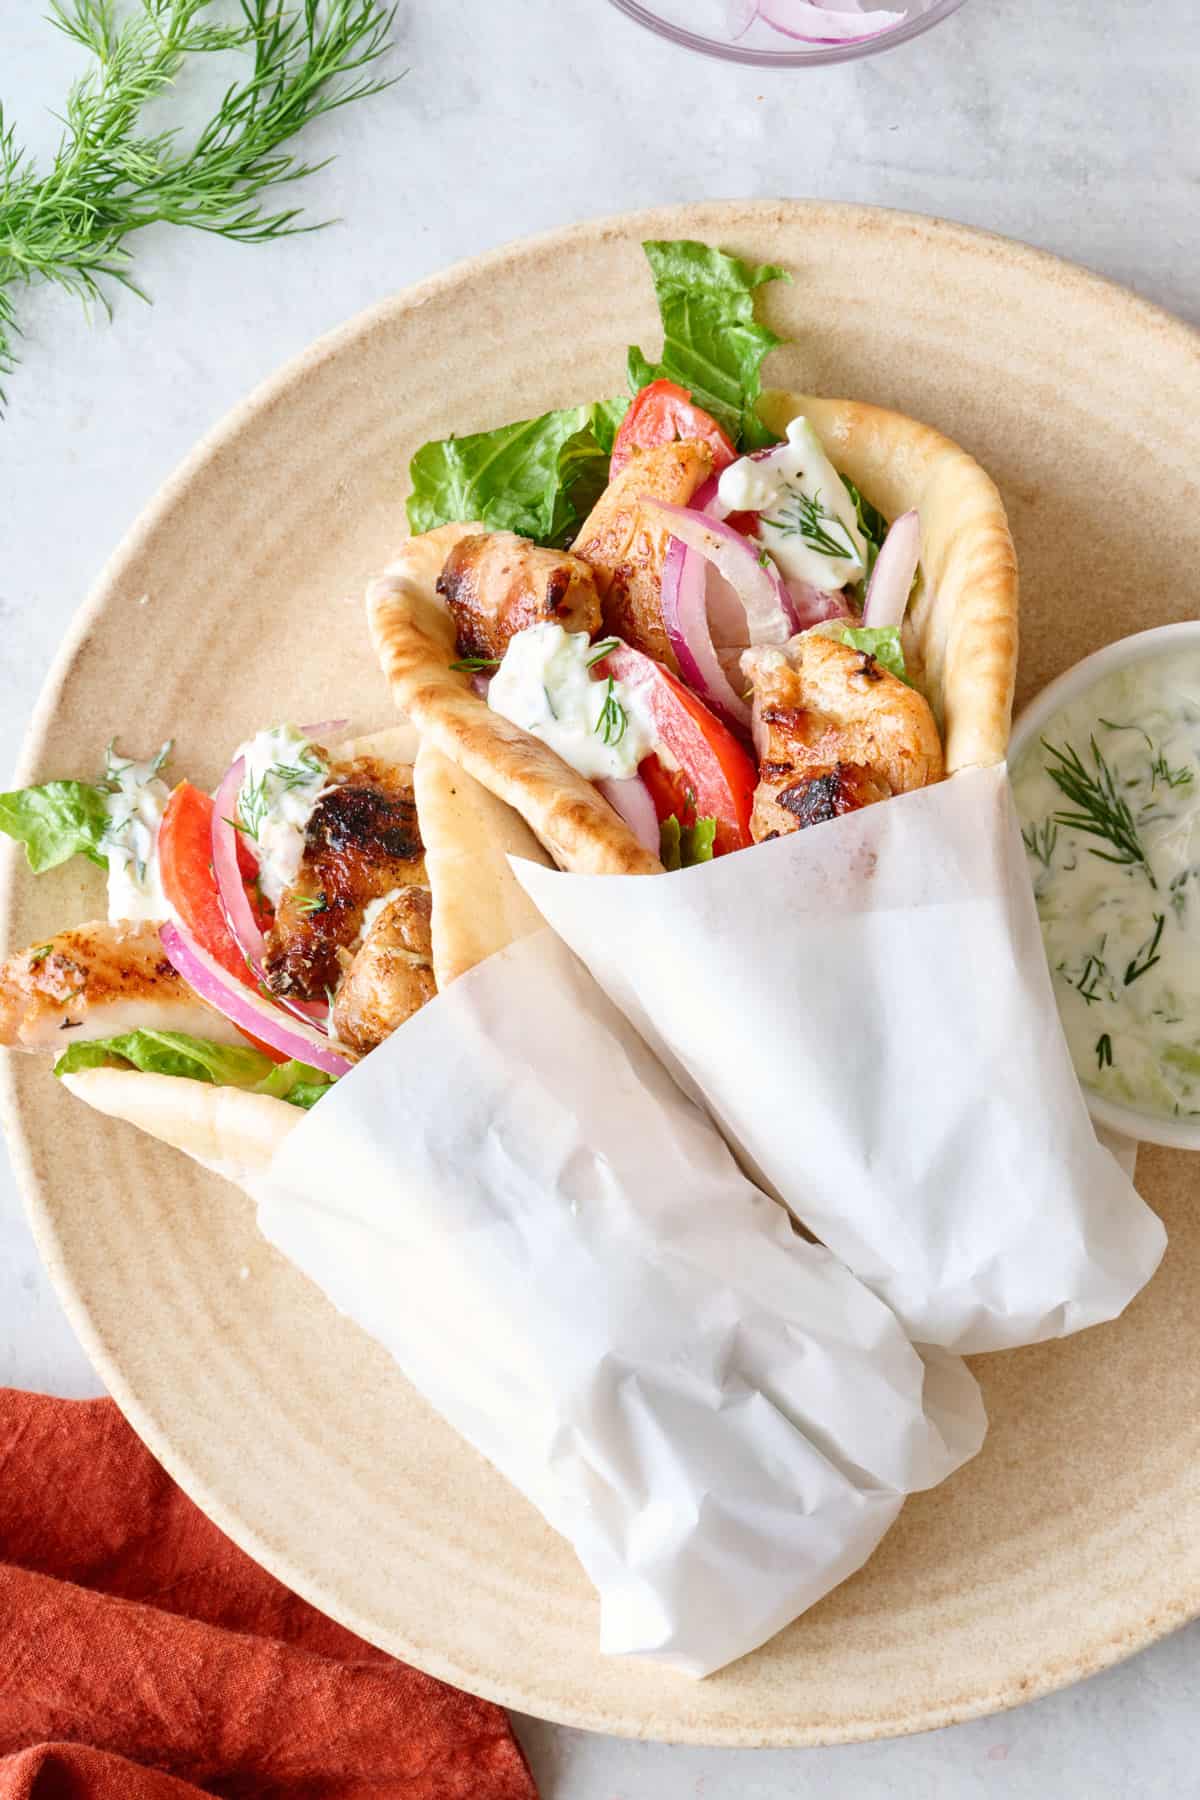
685, 616
892, 577
770, 614
812, 22
631, 798
243, 1007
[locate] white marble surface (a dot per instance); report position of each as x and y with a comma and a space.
1068, 125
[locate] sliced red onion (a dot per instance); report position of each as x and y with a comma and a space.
631, 798
243, 1007
815, 23
232, 893
770, 615
892, 577
236, 907
685, 615
326, 728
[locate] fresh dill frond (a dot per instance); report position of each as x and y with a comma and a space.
1160, 770
311, 903
1147, 954
110, 177
807, 518
613, 720
1104, 1055
1102, 811
1039, 841
470, 665
599, 651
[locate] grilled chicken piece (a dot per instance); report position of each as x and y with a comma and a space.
96, 981
627, 552
362, 841
390, 977
497, 584
834, 732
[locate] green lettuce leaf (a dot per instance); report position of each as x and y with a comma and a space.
55, 822
224, 1065
682, 846
712, 344
882, 642
539, 477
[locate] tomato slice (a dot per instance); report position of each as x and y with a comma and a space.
664, 413
185, 861
185, 858
707, 774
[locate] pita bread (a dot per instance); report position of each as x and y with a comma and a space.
414, 638
479, 907
222, 1127
963, 620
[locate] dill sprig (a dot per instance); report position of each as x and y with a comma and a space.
808, 519
110, 178
1147, 954
1040, 841
1102, 810
613, 720
471, 665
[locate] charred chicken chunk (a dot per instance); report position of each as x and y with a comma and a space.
834, 731
362, 841
390, 977
627, 551
496, 584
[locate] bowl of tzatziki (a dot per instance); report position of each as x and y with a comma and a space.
1105, 770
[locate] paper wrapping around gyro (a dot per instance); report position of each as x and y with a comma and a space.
865, 1010
556, 1246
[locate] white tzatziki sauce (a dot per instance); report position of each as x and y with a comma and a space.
1116, 869
808, 523
135, 801
284, 777
544, 683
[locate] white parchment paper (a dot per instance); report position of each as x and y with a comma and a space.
557, 1247
865, 1010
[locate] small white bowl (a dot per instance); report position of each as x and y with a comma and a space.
1125, 1121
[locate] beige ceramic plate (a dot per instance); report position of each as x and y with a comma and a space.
1075, 1536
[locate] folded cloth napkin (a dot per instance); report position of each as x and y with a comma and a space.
145, 1657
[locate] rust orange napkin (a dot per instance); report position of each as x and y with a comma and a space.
144, 1657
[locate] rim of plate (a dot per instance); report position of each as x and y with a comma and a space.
1092, 1656
1127, 1121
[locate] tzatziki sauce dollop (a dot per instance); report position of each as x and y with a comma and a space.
135, 800
807, 521
1109, 804
284, 777
545, 683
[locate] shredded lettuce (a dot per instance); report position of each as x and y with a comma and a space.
682, 846
223, 1065
539, 477
712, 344
882, 642
56, 821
